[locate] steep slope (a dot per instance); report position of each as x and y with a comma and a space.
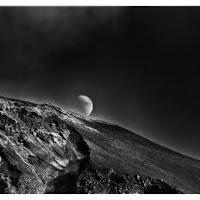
124, 151
44, 149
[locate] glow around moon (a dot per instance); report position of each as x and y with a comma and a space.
85, 105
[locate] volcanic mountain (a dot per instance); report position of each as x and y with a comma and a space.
45, 149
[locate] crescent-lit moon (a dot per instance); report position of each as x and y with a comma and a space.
86, 104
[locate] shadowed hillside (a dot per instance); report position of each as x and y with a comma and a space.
44, 149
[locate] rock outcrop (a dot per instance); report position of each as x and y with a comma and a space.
44, 149
37, 148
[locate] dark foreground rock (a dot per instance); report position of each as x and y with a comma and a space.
107, 181
43, 149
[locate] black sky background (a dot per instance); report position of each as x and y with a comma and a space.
139, 65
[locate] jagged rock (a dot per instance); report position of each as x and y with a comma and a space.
36, 146
44, 149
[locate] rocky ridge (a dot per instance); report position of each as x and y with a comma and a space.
43, 150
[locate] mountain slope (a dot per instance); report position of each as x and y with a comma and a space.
44, 149
124, 151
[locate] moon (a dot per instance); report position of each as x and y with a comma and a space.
85, 105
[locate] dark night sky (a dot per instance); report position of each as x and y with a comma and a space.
139, 65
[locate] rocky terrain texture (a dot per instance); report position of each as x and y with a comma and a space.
44, 149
